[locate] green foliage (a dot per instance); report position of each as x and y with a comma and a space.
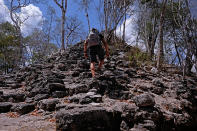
38, 47
9, 46
138, 57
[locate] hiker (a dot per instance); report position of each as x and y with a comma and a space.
93, 43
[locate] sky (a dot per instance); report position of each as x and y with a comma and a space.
36, 13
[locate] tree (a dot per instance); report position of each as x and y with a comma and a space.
9, 47
184, 34
85, 4
48, 23
38, 47
114, 12
15, 7
160, 57
63, 7
73, 30
148, 24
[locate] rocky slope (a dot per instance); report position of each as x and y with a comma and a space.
61, 95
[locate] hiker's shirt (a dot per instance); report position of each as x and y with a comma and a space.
94, 46
94, 39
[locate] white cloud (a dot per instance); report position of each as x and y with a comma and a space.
31, 15
130, 29
4, 12
130, 32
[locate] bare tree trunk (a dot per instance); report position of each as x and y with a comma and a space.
154, 38
87, 16
188, 62
63, 7
14, 7
176, 47
49, 30
63, 31
124, 24
106, 9
160, 58
86, 3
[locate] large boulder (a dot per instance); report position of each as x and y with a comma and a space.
48, 104
23, 108
87, 119
5, 107
144, 100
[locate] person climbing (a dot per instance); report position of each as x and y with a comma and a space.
93, 44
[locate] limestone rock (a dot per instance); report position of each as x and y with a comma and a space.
144, 100
5, 107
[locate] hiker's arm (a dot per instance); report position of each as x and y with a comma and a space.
106, 47
85, 49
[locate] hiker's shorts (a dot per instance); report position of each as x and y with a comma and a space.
95, 51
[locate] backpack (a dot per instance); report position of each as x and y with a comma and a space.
93, 39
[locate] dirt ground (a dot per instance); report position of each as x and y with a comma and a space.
28, 122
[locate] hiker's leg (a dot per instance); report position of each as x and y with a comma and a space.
101, 62
92, 60
101, 55
92, 68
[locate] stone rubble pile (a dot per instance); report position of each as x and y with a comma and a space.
120, 98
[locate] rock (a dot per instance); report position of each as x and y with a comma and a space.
38, 90
182, 122
85, 100
96, 98
59, 94
39, 97
18, 97
48, 104
120, 97
88, 119
61, 67
90, 93
124, 126
5, 107
75, 73
144, 88
147, 125
147, 113
144, 100
12, 97
84, 64
23, 108
157, 82
58, 75
56, 87
154, 70
2, 82
158, 90
81, 98
130, 72
93, 90
138, 129
14, 86
29, 100
77, 88
54, 80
